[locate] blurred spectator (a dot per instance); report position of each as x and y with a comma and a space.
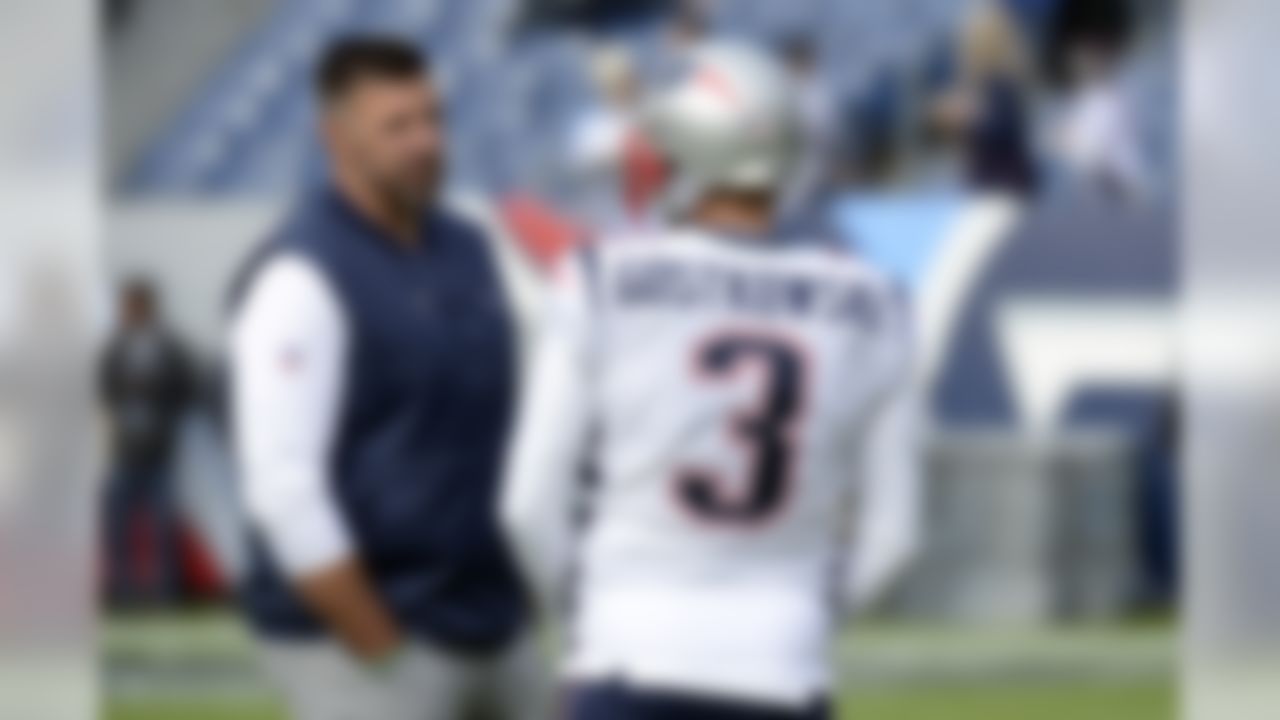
872, 135
819, 141
1034, 15
1097, 141
1159, 510
119, 12
688, 27
598, 138
592, 14
146, 384
986, 111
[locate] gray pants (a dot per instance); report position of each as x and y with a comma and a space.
320, 681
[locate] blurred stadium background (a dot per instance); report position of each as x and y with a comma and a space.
1011, 163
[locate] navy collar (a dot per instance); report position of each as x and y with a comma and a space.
333, 200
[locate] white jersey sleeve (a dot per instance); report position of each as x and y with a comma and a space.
288, 351
887, 515
550, 444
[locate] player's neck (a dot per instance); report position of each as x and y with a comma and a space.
740, 215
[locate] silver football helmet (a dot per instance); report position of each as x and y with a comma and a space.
729, 121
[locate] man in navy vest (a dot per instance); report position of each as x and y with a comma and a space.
373, 377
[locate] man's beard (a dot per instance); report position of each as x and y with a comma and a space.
416, 195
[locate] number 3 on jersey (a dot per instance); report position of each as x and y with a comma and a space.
766, 432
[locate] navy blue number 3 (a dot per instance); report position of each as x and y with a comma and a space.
766, 432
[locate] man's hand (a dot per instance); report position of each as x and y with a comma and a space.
343, 598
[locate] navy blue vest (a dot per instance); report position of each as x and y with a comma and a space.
422, 431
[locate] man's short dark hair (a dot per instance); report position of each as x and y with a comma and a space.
353, 59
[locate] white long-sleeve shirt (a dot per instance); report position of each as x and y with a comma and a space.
1099, 140
747, 402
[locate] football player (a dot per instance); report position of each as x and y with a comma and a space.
744, 403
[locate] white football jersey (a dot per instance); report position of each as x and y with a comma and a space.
741, 409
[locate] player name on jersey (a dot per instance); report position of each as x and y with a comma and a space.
666, 283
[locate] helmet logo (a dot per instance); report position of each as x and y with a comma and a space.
718, 84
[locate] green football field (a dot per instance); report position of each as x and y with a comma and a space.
198, 667
1138, 701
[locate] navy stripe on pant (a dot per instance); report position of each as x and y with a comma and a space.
617, 701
